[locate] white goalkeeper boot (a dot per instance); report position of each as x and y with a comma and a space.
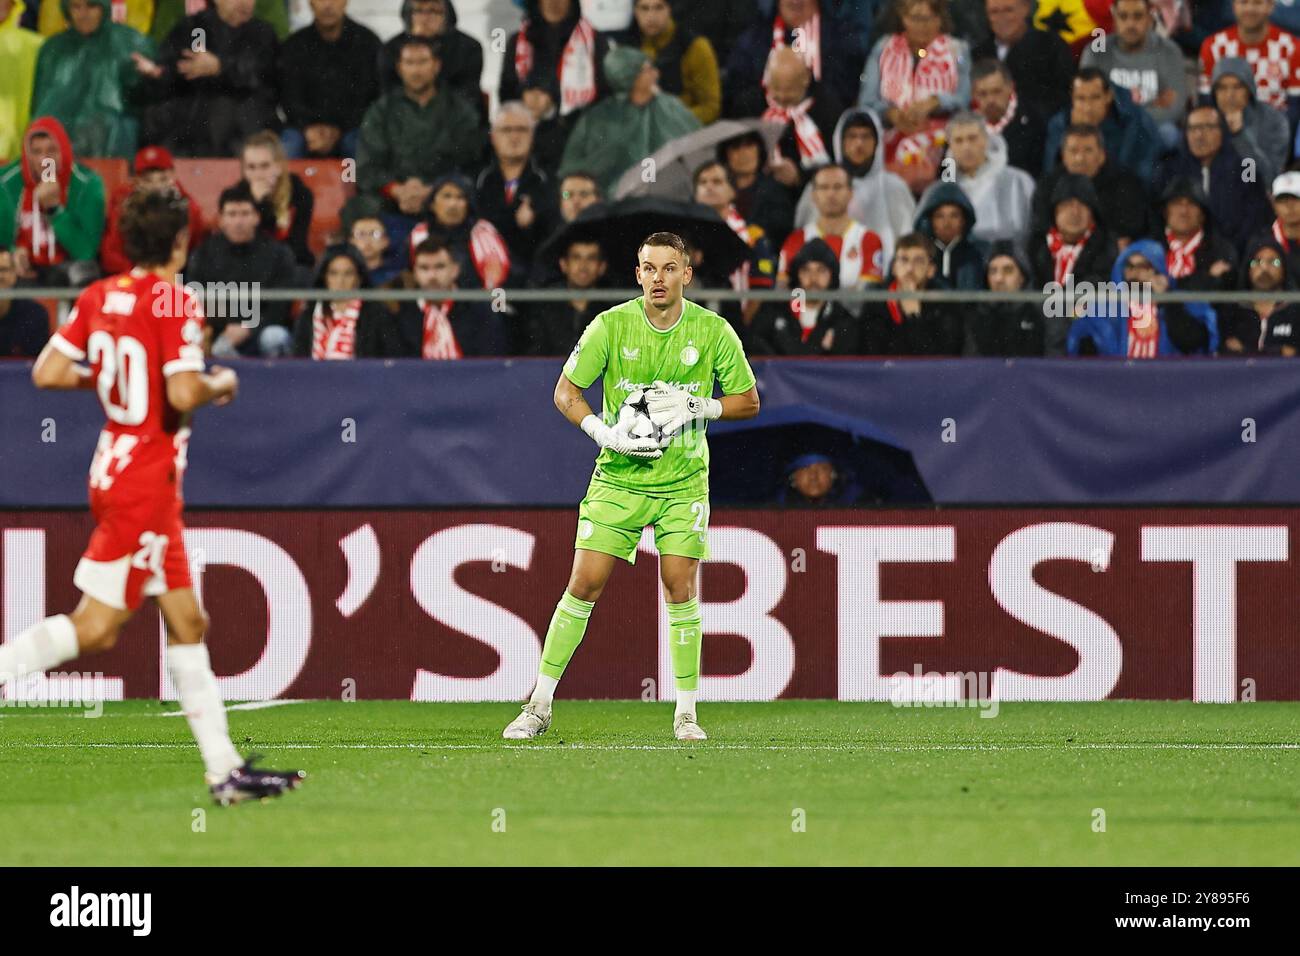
685, 728
531, 722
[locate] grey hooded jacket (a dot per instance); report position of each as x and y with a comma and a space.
1264, 135
881, 200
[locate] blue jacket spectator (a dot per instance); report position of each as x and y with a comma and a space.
814, 481
1133, 326
1132, 140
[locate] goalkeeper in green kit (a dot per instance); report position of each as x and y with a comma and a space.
673, 350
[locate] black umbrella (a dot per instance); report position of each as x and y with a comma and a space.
619, 227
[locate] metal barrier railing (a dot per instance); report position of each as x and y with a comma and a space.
508, 295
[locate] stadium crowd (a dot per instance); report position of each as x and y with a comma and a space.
899, 144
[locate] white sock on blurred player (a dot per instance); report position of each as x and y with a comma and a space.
544, 692
191, 671
685, 702
37, 649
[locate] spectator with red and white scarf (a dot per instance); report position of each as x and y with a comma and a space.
475, 243
821, 41
1196, 256
1039, 62
906, 326
556, 53
440, 328
1075, 244
806, 108
916, 75
807, 324
331, 329
713, 188
51, 209
1131, 325
1122, 198
760, 199
995, 97
1285, 229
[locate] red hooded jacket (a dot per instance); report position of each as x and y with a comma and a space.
72, 229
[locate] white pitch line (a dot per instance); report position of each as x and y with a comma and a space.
544, 748
248, 705
79, 711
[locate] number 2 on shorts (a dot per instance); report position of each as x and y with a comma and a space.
701, 511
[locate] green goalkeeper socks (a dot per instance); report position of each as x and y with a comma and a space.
684, 639
568, 624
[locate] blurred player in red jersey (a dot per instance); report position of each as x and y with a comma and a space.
141, 335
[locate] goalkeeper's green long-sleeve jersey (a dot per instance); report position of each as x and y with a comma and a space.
621, 345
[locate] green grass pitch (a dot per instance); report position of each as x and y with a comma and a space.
791, 782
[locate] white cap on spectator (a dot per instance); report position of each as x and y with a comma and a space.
1288, 184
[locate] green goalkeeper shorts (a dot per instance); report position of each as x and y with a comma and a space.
611, 520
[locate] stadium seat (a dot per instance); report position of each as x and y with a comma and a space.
204, 179
324, 177
113, 171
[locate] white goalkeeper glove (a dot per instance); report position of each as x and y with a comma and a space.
616, 438
673, 409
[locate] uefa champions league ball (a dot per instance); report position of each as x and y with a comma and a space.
635, 408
